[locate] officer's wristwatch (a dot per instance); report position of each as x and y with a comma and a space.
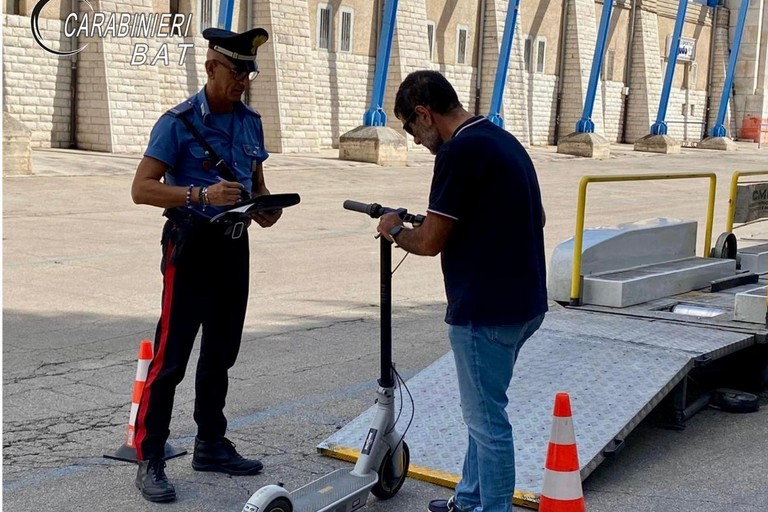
396, 231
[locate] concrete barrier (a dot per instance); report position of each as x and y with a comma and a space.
623, 247
17, 147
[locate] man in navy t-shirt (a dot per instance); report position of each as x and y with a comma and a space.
486, 220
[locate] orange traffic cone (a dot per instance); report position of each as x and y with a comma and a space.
127, 452
561, 491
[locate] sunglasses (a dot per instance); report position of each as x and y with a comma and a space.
239, 75
407, 123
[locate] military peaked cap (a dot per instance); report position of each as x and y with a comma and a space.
239, 48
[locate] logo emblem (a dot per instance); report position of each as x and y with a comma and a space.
35, 18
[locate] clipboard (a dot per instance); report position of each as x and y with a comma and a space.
257, 204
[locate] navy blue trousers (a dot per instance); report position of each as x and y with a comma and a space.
205, 283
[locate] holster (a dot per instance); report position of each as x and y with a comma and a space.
177, 234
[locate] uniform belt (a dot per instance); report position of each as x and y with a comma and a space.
227, 227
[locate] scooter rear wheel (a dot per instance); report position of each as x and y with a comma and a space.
392, 474
279, 505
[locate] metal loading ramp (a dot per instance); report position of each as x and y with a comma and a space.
616, 370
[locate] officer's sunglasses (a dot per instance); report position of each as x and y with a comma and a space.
239, 75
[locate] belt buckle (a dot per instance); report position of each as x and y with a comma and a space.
237, 229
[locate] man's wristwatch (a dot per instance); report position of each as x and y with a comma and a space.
396, 231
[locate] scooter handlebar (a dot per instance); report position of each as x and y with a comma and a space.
357, 206
375, 210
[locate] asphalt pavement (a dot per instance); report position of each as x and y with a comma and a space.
81, 288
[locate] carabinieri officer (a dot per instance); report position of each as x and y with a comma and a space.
203, 154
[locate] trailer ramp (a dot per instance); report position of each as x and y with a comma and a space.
616, 370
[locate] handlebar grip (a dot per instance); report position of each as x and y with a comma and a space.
357, 206
375, 210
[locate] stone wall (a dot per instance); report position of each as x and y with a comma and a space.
719, 68
645, 75
686, 115
37, 84
340, 103
308, 97
285, 95
612, 109
750, 86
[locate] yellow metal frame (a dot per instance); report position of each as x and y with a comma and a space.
578, 238
732, 196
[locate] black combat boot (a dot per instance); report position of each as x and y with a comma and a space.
221, 456
152, 482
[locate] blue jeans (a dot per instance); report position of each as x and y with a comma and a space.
485, 356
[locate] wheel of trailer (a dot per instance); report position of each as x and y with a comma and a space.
392, 474
725, 247
279, 505
733, 400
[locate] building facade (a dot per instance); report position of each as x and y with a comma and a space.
317, 68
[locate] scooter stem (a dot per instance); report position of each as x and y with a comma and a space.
387, 378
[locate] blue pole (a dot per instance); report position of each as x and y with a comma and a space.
494, 114
585, 124
375, 115
225, 14
660, 126
718, 130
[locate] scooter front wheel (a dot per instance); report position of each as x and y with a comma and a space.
279, 505
392, 473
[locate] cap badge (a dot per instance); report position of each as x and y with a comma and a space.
257, 41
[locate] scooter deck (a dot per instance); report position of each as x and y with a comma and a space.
326, 493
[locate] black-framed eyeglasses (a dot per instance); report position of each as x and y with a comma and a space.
239, 75
407, 123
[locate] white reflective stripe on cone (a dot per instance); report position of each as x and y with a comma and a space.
562, 431
142, 369
562, 485
134, 410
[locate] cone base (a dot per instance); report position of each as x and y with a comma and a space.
128, 453
552, 505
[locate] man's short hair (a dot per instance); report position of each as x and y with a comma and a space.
427, 88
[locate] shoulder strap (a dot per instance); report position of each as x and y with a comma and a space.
221, 165
180, 109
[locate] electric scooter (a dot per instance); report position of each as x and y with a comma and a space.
382, 466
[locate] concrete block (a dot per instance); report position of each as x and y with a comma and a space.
658, 144
749, 306
623, 247
754, 259
589, 145
627, 288
17, 148
381, 145
718, 143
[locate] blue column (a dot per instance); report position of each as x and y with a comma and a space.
375, 115
494, 114
660, 126
225, 14
585, 124
718, 130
